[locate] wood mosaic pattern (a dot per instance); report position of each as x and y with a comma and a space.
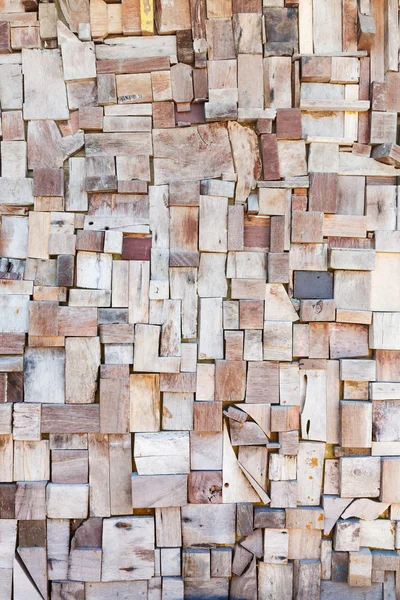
199, 300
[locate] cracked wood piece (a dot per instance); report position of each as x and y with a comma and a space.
210, 153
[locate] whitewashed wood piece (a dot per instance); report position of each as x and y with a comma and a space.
13, 159
84, 564
11, 90
213, 224
44, 380
314, 411
306, 45
8, 536
79, 60
170, 344
82, 361
246, 265
177, 411
206, 451
159, 491
384, 331
360, 476
357, 370
308, 257
67, 501
352, 259
31, 460
57, 548
14, 237
212, 281
47, 147
384, 390
139, 278
26, 422
93, 270
183, 286
137, 47
76, 198
353, 164
384, 287
310, 463
260, 413
23, 585
276, 546
377, 534
145, 402
162, 453
278, 306
275, 581
278, 340
146, 351
365, 509
45, 66
90, 298
159, 215
124, 589
35, 561
99, 475
210, 343
188, 357
128, 548
120, 474
239, 488
204, 524
339, 591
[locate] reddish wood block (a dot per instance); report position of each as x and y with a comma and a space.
48, 182
288, 124
12, 343
91, 118
323, 192
77, 321
163, 115
12, 125
207, 416
270, 158
114, 371
251, 314
43, 318
133, 186
263, 382
299, 202
230, 380
192, 116
256, 232
136, 248
91, 241
70, 418
15, 387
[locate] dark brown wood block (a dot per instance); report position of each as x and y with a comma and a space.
270, 158
244, 518
246, 6
282, 31
7, 501
15, 387
256, 232
65, 270
184, 42
32, 533
136, 248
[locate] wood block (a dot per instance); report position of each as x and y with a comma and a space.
360, 477
207, 416
307, 227
360, 412
30, 502
288, 124
158, 491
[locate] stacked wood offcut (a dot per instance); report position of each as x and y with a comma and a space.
199, 300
